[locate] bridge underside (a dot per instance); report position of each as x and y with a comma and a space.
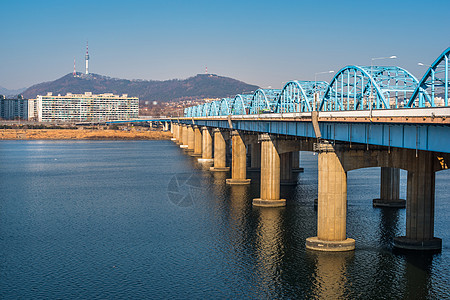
273, 141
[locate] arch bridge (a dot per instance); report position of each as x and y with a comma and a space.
367, 116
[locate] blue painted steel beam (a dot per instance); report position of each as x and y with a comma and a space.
428, 137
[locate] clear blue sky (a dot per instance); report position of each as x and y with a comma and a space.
260, 42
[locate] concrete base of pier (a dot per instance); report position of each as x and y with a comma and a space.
402, 242
238, 181
216, 169
288, 182
399, 203
173, 139
206, 160
183, 146
269, 203
314, 243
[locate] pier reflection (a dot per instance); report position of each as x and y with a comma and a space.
269, 245
417, 274
329, 280
388, 228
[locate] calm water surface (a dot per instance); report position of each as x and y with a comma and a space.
141, 220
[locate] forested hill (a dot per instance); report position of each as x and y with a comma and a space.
199, 86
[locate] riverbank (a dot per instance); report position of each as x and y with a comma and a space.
82, 134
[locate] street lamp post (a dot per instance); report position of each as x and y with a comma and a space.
432, 80
371, 75
316, 96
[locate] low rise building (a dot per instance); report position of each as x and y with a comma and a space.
85, 107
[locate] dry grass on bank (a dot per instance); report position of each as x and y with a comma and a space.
81, 134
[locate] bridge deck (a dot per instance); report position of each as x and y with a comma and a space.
421, 129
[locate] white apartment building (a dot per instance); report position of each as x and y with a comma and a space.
85, 107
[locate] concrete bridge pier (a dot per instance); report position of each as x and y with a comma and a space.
206, 146
180, 134
174, 133
190, 138
174, 130
296, 162
197, 142
332, 204
286, 171
255, 157
270, 174
420, 206
390, 189
238, 160
184, 136
220, 151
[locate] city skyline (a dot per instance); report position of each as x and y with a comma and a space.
258, 42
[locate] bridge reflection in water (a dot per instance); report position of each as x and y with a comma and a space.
270, 242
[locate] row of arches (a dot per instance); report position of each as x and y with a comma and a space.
352, 88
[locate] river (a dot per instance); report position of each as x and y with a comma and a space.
142, 220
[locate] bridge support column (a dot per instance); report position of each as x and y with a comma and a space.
197, 142
166, 126
286, 176
238, 160
174, 131
184, 136
270, 174
220, 151
420, 206
190, 138
390, 189
296, 162
332, 204
255, 157
179, 134
206, 146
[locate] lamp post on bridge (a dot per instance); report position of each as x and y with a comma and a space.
371, 75
432, 79
315, 87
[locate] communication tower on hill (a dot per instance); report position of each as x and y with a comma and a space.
87, 59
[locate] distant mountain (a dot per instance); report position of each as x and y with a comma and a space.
199, 86
10, 93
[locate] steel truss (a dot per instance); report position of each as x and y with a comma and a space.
352, 88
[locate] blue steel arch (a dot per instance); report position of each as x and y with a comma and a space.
226, 106
434, 84
199, 111
264, 101
206, 109
298, 95
365, 87
242, 104
214, 108
194, 111
188, 111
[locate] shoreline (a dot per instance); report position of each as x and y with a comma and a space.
82, 134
